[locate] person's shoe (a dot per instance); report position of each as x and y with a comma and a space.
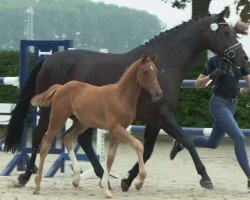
177, 147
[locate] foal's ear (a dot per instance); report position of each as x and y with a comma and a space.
153, 58
224, 13
144, 57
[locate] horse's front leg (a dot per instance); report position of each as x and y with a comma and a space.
171, 126
85, 141
36, 141
150, 135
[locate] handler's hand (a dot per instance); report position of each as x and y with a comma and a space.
244, 91
216, 73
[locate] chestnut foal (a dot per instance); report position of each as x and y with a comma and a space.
110, 107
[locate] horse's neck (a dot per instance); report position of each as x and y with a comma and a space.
178, 48
128, 87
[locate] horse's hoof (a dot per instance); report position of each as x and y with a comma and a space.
206, 184
138, 186
124, 185
22, 179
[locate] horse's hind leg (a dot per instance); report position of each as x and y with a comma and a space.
68, 137
37, 136
120, 133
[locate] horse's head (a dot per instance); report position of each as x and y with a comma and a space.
222, 39
147, 76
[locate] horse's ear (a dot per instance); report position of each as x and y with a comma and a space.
144, 57
224, 13
153, 58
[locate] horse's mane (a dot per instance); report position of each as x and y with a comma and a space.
178, 27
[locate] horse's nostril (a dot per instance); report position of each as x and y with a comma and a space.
246, 58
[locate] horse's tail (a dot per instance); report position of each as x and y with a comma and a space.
15, 127
44, 99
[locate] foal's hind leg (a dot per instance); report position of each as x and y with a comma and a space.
68, 137
57, 121
46, 145
122, 134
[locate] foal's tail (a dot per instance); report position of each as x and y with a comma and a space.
44, 99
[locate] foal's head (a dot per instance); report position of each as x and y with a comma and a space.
147, 76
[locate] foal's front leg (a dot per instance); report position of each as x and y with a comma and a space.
121, 134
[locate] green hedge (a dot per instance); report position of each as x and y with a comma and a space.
9, 66
192, 110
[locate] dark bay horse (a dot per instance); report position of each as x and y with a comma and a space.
111, 107
177, 49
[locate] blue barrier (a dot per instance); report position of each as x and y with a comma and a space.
137, 129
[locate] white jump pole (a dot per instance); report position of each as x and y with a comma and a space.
9, 81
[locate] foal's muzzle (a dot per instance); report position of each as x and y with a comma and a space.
157, 96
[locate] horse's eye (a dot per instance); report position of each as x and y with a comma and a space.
227, 32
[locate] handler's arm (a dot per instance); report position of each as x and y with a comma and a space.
202, 81
247, 79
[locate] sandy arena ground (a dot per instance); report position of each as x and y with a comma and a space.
166, 179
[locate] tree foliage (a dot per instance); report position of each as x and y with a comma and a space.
91, 25
201, 7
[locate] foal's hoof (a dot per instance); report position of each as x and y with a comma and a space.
138, 186
22, 179
75, 184
125, 185
36, 190
206, 184
109, 185
108, 194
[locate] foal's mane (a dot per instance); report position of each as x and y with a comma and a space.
130, 70
177, 28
